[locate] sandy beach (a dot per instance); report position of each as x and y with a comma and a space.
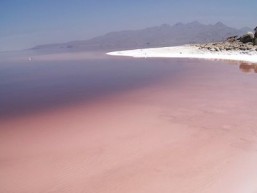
196, 136
188, 51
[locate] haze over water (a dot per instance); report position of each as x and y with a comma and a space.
127, 125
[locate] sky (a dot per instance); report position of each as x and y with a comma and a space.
27, 23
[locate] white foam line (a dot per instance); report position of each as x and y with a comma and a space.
188, 51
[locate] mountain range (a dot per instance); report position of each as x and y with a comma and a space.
159, 36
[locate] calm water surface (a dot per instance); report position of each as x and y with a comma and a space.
110, 124
31, 86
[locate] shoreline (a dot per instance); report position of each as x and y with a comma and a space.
189, 51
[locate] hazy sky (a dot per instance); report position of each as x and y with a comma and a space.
26, 23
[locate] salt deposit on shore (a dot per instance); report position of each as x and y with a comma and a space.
188, 51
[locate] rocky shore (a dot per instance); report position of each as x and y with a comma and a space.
242, 49
229, 46
246, 43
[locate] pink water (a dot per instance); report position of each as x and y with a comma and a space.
130, 126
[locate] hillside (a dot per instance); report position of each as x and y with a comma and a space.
164, 35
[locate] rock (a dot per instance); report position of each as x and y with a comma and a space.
247, 38
232, 38
246, 43
249, 43
242, 48
255, 40
217, 49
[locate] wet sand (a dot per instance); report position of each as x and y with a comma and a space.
195, 131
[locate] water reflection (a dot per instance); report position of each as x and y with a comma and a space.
245, 67
248, 67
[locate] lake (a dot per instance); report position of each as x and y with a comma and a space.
94, 123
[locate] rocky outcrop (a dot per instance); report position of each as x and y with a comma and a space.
229, 45
247, 42
255, 37
249, 37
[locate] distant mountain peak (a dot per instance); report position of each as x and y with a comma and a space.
157, 36
220, 24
